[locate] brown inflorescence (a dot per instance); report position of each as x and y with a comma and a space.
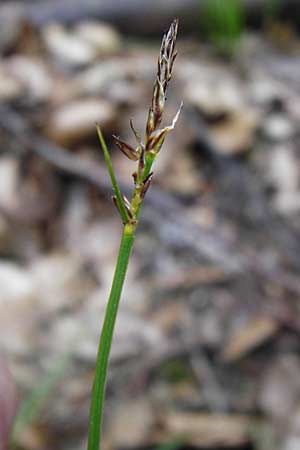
146, 152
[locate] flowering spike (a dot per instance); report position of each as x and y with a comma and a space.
166, 59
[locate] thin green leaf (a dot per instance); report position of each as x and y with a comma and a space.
98, 391
120, 203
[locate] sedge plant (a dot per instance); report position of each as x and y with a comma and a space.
144, 154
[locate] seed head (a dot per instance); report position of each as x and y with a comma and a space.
145, 151
166, 60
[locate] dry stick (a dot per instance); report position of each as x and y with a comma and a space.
146, 154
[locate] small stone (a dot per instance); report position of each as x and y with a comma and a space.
8, 180
16, 285
284, 172
130, 430
291, 443
17, 305
280, 389
213, 100
97, 79
264, 92
235, 134
278, 127
68, 48
59, 280
76, 120
287, 203
10, 88
103, 37
33, 76
284, 176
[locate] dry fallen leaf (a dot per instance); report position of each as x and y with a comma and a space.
209, 430
248, 337
235, 134
130, 424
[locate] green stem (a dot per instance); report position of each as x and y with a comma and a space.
98, 392
136, 194
148, 166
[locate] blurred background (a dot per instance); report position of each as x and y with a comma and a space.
207, 351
